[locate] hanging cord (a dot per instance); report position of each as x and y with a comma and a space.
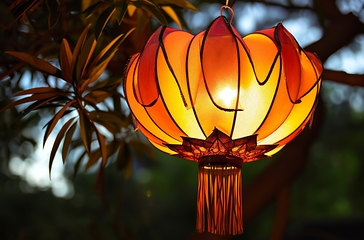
227, 3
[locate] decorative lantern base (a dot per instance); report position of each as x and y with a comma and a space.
219, 199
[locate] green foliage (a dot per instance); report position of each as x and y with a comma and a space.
81, 96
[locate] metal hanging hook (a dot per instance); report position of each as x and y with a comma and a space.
232, 12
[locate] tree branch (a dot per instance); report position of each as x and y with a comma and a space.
339, 33
343, 77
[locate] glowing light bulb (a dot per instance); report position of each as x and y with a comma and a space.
228, 96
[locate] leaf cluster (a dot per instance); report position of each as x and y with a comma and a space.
86, 99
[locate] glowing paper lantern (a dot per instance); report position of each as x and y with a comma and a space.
220, 100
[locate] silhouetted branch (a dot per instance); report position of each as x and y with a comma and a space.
343, 77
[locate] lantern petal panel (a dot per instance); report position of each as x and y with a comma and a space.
146, 90
174, 47
254, 96
193, 67
157, 142
290, 52
138, 111
275, 103
203, 107
209, 116
296, 121
220, 65
161, 117
172, 78
263, 53
311, 72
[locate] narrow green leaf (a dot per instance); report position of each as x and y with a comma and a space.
93, 159
104, 57
121, 8
55, 119
34, 106
85, 130
142, 22
36, 63
79, 46
110, 126
173, 15
103, 20
109, 49
90, 53
23, 7
102, 145
93, 8
67, 141
84, 56
97, 96
141, 147
77, 165
53, 7
156, 12
57, 142
110, 121
96, 72
112, 147
32, 98
54, 91
107, 116
66, 60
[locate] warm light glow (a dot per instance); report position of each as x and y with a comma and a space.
228, 96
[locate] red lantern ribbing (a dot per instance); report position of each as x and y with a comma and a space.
220, 100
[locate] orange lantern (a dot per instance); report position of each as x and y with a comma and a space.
220, 100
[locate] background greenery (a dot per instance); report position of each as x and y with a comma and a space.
312, 190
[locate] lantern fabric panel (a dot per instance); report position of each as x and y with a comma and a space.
300, 115
173, 83
138, 111
220, 66
193, 67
